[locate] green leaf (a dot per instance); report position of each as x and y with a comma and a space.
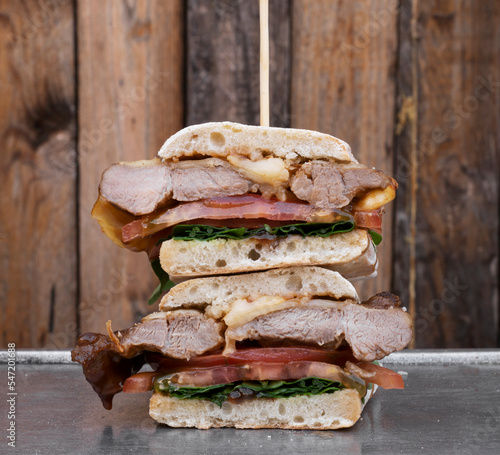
165, 283
376, 237
269, 389
202, 232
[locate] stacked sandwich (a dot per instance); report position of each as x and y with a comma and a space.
260, 227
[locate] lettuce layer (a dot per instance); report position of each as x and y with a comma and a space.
220, 393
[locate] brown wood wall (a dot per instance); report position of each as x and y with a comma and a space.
413, 86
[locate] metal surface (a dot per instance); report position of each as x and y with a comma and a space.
407, 357
449, 406
32, 356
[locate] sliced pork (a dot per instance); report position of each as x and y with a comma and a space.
179, 334
194, 181
310, 325
143, 186
108, 361
138, 187
372, 333
320, 184
330, 185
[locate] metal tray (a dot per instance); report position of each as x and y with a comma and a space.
451, 405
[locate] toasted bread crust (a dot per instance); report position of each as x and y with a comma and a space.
217, 294
328, 411
221, 139
224, 256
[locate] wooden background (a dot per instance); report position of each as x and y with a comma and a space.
413, 86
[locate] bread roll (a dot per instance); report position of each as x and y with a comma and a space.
327, 411
220, 139
192, 258
217, 294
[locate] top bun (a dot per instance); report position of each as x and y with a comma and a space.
216, 295
220, 139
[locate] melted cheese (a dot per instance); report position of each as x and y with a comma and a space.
244, 310
272, 171
376, 199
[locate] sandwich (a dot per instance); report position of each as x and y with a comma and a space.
225, 198
290, 348
258, 228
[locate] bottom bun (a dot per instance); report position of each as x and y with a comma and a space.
328, 411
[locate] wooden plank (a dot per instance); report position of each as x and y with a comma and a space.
130, 101
405, 169
344, 56
38, 244
223, 61
454, 160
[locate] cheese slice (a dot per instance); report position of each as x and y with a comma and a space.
244, 310
272, 171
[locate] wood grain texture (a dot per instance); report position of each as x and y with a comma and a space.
38, 244
456, 76
223, 61
130, 58
343, 84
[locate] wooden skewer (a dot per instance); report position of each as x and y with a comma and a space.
264, 62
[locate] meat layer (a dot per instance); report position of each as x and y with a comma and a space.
178, 334
372, 333
330, 185
141, 187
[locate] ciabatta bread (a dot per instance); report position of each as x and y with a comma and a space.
216, 294
193, 258
327, 411
221, 139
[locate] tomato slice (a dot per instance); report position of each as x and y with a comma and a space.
261, 371
265, 364
257, 371
143, 382
252, 355
369, 219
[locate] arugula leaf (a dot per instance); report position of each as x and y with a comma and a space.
219, 393
376, 237
165, 283
203, 232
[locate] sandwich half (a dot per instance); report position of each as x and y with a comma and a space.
227, 198
285, 348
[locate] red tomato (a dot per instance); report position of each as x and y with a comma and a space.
263, 364
252, 355
370, 219
265, 372
257, 371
